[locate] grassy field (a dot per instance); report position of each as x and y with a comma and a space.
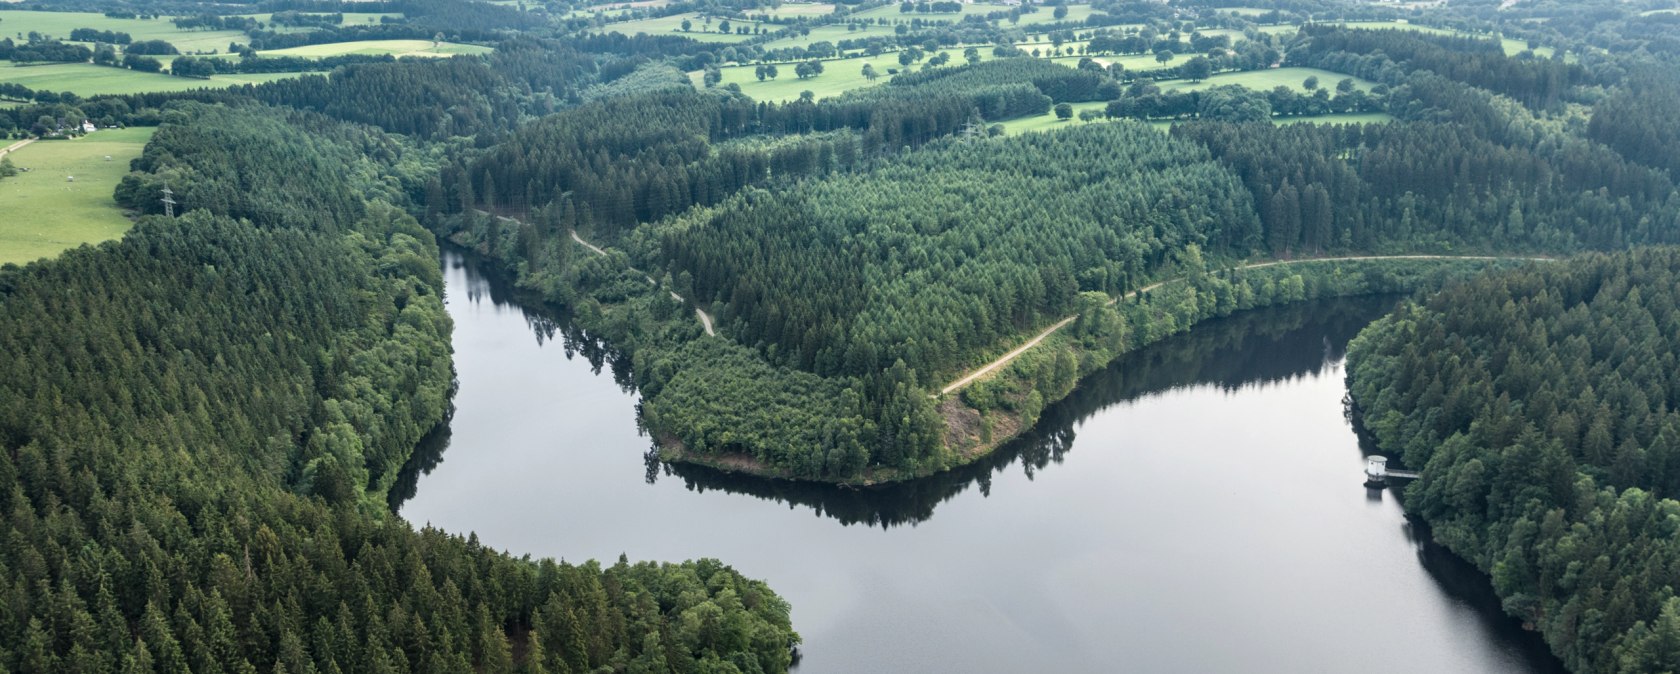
793, 9
381, 47
1136, 62
350, 18
46, 214
86, 79
839, 76
1049, 122
1047, 15
14, 23
832, 33
701, 29
1267, 80
890, 12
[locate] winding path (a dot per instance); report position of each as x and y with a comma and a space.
1003, 360
705, 319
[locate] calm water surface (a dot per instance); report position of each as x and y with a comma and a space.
1196, 508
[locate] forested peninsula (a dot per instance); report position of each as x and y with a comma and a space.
1540, 405
851, 243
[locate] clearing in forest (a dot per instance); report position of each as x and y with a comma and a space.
47, 212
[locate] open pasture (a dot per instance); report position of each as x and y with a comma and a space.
890, 13
1049, 121
397, 48
701, 28
14, 23
795, 9
1267, 80
86, 79
838, 77
47, 213
830, 33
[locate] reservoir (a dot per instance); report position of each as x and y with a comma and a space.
1197, 507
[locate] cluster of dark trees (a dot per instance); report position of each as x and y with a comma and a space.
1635, 121
192, 66
106, 36
1232, 103
1477, 181
1540, 406
43, 50
306, 20
1478, 62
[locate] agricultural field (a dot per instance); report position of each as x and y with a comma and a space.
15, 23
1049, 122
838, 77
1132, 62
86, 79
1266, 80
795, 9
350, 19
703, 29
45, 213
891, 14
831, 33
397, 48
1047, 15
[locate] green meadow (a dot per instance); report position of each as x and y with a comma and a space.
86, 79
830, 33
795, 9
890, 12
14, 23
838, 77
702, 29
46, 212
1049, 122
379, 48
1266, 80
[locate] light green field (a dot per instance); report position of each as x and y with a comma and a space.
701, 29
792, 9
349, 19
1267, 80
59, 24
1047, 15
86, 79
839, 76
1049, 122
379, 48
46, 214
1131, 62
831, 33
890, 13
1242, 11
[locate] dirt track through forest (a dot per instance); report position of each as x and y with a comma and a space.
1005, 359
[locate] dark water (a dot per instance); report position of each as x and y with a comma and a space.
1196, 508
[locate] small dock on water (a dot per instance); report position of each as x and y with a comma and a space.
1377, 472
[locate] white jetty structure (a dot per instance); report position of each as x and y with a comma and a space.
1377, 472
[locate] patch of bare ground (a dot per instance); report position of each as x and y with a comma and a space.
963, 429
673, 450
